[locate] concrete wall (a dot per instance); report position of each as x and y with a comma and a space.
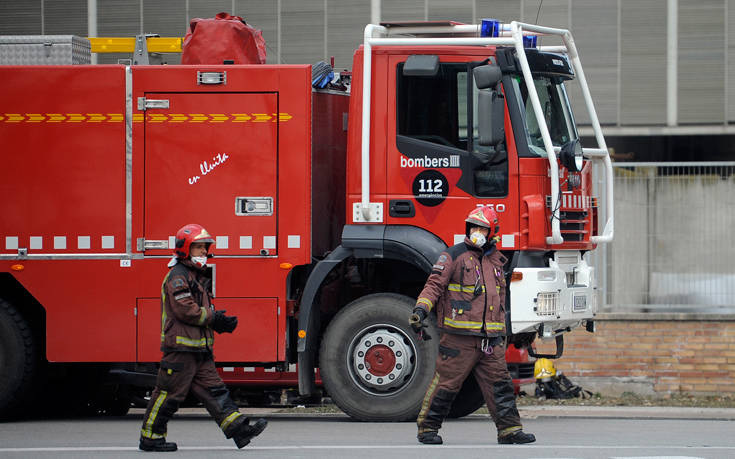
673, 237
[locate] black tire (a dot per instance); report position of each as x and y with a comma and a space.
17, 360
370, 393
468, 400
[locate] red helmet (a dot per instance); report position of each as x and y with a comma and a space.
189, 234
486, 217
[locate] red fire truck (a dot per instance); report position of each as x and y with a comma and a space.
329, 208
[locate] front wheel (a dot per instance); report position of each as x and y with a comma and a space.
372, 364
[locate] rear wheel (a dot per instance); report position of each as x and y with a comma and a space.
373, 365
17, 360
468, 400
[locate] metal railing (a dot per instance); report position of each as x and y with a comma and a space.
674, 247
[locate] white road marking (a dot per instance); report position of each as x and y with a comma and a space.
369, 447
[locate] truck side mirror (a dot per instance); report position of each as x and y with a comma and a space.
491, 117
487, 76
426, 65
491, 104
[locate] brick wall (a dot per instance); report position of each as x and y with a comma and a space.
651, 354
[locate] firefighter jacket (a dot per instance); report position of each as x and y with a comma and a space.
467, 288
186, 310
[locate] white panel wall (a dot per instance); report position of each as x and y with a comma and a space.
67, 17
701, 71
457, 10
730, 68
403, 10
164, 17
497, 9
595, 31
302, 31
263, 15
207, 8
643, 63
554, 13
18, 18
622, 43
346, 21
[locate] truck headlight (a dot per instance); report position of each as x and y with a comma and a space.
547, 303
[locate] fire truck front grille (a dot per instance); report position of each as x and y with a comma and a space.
572, 225
521, 370
574, 214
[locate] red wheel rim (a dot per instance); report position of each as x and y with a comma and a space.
380, 360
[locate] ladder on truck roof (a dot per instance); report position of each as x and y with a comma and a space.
140, 46
489, 33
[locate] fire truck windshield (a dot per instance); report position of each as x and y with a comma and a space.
555, 107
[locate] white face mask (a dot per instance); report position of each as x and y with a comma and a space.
200, 261
478, 238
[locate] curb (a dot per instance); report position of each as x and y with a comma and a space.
628, 412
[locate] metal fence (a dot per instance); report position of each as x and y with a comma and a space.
674, 249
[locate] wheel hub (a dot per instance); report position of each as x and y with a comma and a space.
382, 359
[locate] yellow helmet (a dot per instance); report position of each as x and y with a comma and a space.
544, 369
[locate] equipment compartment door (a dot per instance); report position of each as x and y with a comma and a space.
254, 340
211, 159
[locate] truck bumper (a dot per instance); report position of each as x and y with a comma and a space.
560, 296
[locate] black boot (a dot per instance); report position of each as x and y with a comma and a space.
430, 438
247, 432
430, 418
157, 445
516, 438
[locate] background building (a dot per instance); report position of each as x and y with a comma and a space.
657, 68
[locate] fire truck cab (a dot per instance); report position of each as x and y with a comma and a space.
329, 208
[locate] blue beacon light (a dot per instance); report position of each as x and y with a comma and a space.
490, 28
529, 41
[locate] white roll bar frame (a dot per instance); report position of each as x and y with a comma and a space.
510, 34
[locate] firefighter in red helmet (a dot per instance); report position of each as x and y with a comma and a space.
466, 288
188, 324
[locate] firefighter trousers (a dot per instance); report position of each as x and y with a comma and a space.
458, 356
180, 373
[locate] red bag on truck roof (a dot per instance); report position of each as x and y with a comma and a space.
224, 37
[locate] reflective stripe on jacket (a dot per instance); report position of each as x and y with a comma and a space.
467, 288
186, 310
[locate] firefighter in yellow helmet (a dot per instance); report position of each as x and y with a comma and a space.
467, 289
187, 336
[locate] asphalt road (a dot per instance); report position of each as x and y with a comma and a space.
598, 433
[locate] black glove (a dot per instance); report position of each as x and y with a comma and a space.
223, 323
416, 320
